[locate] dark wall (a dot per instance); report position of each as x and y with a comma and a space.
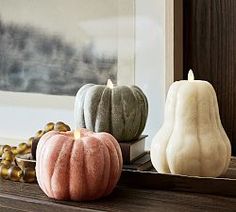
210, 50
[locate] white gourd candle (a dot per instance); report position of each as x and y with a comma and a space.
192, 140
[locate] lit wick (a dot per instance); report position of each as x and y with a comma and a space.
77, 134
110, 84
190, 75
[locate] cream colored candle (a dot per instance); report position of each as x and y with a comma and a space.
192, 140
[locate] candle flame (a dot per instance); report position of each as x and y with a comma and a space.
110, 84
190, 75
77, 134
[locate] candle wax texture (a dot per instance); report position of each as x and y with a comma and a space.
191, 140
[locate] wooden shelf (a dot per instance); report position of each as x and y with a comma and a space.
137, 191
28, 197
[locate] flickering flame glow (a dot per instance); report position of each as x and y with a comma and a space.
110, 84
77, 134
190, 75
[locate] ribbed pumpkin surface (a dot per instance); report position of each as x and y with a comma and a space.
121, 111
83, 169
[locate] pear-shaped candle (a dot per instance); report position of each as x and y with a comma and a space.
191, 140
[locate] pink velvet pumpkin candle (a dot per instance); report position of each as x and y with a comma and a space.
78, 166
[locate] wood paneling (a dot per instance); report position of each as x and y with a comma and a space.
210, 50
178, 39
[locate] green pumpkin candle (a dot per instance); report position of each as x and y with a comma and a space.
119, 110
